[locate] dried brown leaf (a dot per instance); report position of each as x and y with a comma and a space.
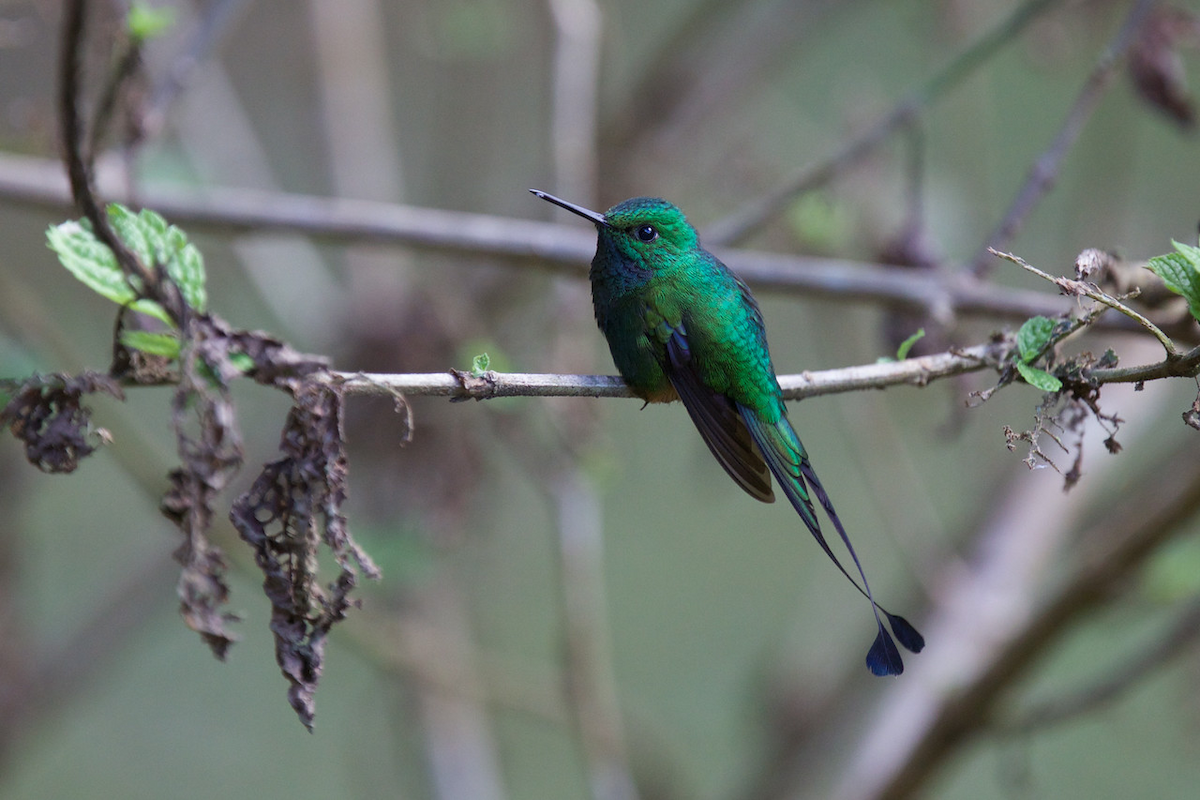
47, 414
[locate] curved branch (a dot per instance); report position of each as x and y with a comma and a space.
1184, 366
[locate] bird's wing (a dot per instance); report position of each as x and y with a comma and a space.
718, 420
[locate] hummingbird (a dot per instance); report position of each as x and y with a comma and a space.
682, 326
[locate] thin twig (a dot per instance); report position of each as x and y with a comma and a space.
216, 19
1044, 171
742, 223
1076, 288
72, 131
1186, 365
125, 68
460, 385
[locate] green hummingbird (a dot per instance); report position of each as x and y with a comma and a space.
681, 326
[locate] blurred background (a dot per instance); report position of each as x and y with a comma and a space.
576, 601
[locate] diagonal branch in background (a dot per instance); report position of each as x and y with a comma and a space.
739, 225
1044, 171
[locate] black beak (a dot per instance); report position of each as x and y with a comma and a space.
574, 209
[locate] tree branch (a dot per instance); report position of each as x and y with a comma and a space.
459, 385
75, 159
561, 248
1083, 289
1044, 171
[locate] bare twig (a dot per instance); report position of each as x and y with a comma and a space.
741, 224
1186, 365
126, 68
1069, 286
1044, 171
460, 385
77, 160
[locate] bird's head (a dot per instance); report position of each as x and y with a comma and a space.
646, 231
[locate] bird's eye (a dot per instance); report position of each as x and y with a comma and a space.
647, 233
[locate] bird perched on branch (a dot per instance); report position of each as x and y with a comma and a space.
681, 326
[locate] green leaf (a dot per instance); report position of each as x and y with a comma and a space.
145, 23
152, 309
1033, 337
130, 230
158, 244
185, 265
89, 260
1180, 271
156, 344
820, 221
1189, 251
1038, 377
907, 344
150, 238
480, 364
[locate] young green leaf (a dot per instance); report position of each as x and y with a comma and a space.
89, 260
151, 239
156, 344
158, 244
1180, 271
185, 265
152, 309
907, 344
1033, 337
1038, 377
132, 232
480, 364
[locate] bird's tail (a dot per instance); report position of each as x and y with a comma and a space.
788, 461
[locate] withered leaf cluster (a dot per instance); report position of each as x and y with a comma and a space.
293, 508
291, 512
47, 414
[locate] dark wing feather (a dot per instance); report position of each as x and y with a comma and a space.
718, 420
